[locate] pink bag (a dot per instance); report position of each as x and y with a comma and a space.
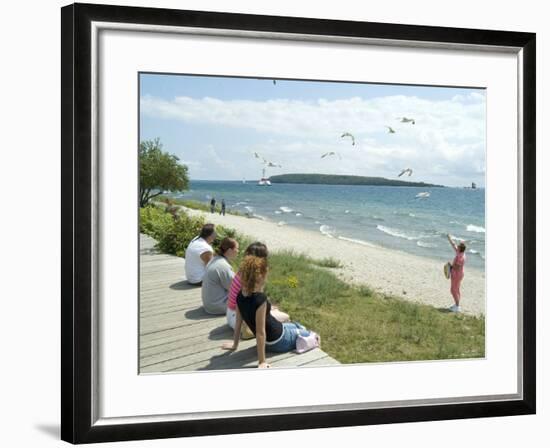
307, 343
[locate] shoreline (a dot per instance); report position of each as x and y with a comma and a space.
410, 277
392, 217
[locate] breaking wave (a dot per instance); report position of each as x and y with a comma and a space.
477, 229
327, 230
426, 245
356, 241
397, 233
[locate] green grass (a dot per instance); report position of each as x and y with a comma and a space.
356, 324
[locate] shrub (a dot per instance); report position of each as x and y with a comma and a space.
176, 238
175, 230
154, 221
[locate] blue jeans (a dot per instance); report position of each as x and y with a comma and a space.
287, 341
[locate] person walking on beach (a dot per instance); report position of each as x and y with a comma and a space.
222, 211
256, 249
198, 254
218, 276
457, 272
212, 205
254, 308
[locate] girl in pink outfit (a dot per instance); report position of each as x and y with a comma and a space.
258, 250
457, 272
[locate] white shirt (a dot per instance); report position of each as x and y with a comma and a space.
194, 266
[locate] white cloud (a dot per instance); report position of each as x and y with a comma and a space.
448, 137
470, 97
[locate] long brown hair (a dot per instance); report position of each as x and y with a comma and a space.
252, 269
257, 249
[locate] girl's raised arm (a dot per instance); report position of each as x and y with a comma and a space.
451, 242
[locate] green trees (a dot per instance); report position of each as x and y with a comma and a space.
159, 172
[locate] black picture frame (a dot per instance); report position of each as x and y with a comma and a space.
77, 424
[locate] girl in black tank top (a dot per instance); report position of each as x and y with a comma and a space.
253, 306
248, 306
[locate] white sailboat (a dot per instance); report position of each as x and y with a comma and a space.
264, 181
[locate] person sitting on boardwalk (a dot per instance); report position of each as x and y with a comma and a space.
254, 308
198, 254
258, 250
457, 272
218, 276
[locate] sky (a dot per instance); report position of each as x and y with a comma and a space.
216, 124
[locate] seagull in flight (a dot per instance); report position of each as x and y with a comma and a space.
330, 153
258, 156
406, 170
347, 134
273, 165
407, 120
390, 130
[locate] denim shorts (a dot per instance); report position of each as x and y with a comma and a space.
287, 341
231, 316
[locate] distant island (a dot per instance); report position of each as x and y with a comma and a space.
336, 179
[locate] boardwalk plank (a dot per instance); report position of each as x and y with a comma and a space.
325, 361
150, 345
164, 299
176, 307
244, 357
217, 335
169, 292
301, 359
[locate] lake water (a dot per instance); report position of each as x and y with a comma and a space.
392, 217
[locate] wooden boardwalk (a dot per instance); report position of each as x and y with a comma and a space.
176, 334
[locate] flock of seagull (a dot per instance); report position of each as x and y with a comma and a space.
407, 171
266, 162
349, 135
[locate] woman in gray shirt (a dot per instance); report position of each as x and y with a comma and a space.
217, 279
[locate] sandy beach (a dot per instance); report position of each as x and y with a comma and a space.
410, 277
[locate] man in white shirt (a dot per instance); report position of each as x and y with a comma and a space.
198, 254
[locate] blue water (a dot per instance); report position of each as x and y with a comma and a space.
390, 217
